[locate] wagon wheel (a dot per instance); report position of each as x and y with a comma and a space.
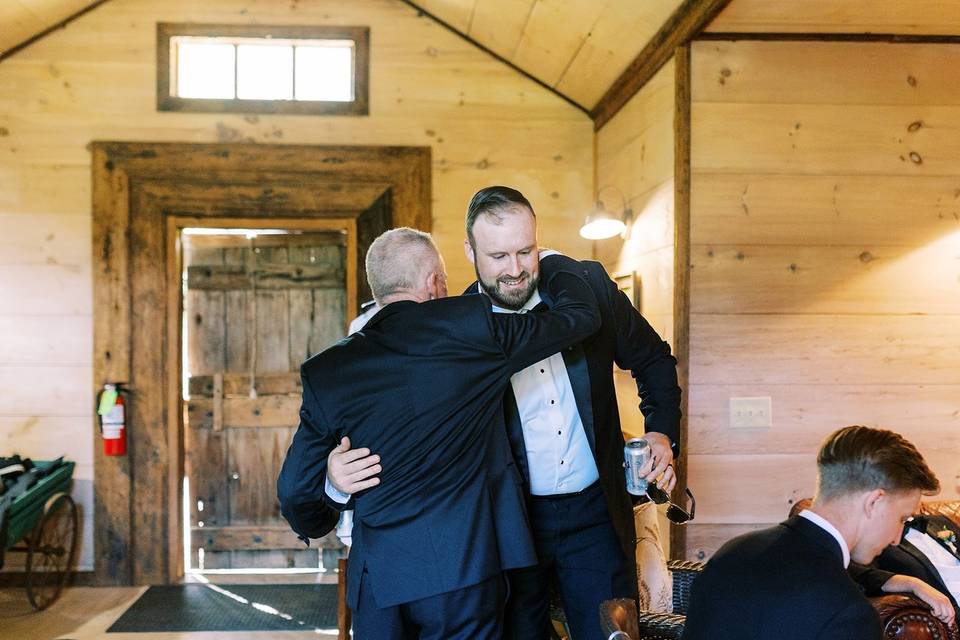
51, 551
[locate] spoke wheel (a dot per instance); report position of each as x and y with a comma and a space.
50, 554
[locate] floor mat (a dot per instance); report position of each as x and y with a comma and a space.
232, 607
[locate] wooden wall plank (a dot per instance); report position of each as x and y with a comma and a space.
876, 73
498, 24
824, 349
238, 384
803, 414
826, 139
839, 16
703, 540
795, 209
63, 340
831, 280
254, 538
48, 437
206, 333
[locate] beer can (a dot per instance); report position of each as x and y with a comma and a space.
636, 455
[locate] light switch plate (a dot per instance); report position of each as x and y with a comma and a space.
751, 413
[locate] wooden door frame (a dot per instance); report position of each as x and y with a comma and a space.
141, 192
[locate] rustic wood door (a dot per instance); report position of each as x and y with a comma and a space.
254, 309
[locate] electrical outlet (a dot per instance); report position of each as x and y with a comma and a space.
751, 413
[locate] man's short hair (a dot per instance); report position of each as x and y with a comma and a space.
397, 260
858, 458
494, 201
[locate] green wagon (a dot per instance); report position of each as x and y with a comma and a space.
42, 522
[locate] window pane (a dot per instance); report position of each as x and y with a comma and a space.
325, 73
204, 70
264, 72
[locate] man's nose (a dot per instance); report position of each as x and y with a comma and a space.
515, 268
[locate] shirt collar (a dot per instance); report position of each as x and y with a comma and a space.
527, 306
824, 524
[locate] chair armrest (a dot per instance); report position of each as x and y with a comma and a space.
660, 626
619, 621
683, 573
905, 617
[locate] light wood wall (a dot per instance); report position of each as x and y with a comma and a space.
635, 156
95, 80
825, 231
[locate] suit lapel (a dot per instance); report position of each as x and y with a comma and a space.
575, 359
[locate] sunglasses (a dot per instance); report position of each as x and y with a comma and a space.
675, 513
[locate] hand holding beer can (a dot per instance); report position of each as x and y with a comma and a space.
636, 455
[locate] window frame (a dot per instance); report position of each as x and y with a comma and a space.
361, 72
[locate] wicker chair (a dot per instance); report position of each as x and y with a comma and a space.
619, 621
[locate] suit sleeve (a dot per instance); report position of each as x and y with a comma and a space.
527, 338
870, 578
858, 621
300, 487
647, 356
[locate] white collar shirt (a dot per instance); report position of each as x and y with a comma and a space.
942, 560
559, 459
825, 524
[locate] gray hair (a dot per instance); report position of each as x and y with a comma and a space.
398, 260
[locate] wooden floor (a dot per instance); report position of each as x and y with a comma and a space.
85, 613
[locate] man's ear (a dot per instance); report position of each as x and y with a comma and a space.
468, 251
871, 501
430, 285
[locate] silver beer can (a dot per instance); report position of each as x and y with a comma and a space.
636, 455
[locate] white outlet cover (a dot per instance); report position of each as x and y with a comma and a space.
751, 412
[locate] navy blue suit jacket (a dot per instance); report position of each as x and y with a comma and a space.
627, 340
422, 385
786, 582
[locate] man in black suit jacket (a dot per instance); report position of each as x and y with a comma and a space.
423, 385
564, 428
791, 581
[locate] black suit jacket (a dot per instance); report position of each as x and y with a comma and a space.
786, 582
422, 385
627, 340
907, 559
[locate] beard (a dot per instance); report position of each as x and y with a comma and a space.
513, 298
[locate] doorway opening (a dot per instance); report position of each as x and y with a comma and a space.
256, 303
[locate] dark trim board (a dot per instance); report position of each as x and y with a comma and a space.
18, 579
896, 38
59, 25
686, 22
681, 275
140, 190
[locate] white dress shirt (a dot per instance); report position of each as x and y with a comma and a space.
824, 524
559, 459
943, 561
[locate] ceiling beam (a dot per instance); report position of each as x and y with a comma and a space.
478, 45
58, 25
684, 24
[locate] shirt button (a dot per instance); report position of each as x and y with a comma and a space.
541, 371
561, 462
559, 432
553, 402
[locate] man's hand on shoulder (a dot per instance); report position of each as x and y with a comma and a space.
662, 459
352, 470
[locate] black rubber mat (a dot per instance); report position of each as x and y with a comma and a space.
232, 607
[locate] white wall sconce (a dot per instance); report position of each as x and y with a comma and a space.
603, 223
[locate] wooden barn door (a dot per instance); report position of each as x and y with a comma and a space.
255, 307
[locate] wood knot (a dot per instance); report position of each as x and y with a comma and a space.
911, 81
793, 268
915, 158
866, 257
915, 125
740, 255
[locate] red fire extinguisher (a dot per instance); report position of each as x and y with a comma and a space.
111, 411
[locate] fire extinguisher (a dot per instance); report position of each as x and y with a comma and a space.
111, 411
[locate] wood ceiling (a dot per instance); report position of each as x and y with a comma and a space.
577, 47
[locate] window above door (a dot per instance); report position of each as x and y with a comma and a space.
263, 69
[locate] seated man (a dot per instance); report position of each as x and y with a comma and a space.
930, 551
790, 581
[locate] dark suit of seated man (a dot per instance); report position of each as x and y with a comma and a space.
790, 582
930, 551
423, 384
